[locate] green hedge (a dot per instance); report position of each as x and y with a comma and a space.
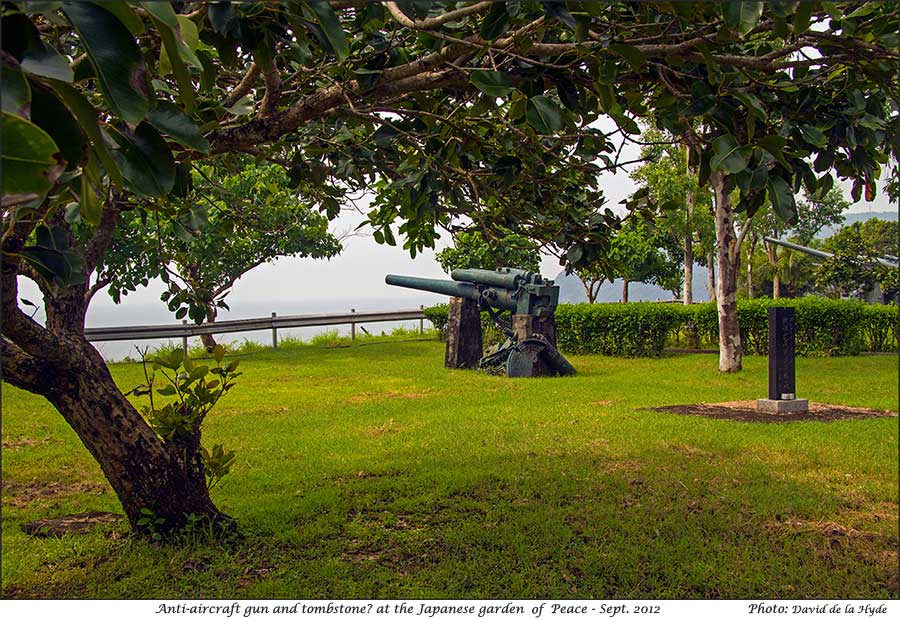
824, 327
629, 330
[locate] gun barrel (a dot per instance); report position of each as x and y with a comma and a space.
432, 285
886, 261
489, 278
799, 248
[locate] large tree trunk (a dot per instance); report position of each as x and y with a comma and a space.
730, 350
711, 275
166, 479
150, 476
207, 339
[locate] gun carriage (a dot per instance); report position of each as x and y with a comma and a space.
530, 347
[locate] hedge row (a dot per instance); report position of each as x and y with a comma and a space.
824, 327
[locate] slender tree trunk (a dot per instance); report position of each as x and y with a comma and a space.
772, 255
688, 290
207, 339
730, 350
749, 277
625, 283
711, 275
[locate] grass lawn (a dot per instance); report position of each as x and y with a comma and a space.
371, 471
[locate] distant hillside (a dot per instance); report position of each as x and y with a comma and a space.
850, 218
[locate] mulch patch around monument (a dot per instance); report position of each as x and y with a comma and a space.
80, 523
745, 411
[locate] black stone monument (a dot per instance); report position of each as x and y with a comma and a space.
782, 387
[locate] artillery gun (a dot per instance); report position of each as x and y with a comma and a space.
530, 347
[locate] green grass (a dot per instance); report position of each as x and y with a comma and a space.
371, 471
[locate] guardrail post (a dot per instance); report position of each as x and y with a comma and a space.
184, 338
352, 327
274, 333
421, 321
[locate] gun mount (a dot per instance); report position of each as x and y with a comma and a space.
530, 347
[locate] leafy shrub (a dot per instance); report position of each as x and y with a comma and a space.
824, 326
629, 330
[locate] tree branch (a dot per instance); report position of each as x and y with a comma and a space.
433, 22
243, 87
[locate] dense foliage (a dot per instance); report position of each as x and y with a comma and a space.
825, 327
472, 250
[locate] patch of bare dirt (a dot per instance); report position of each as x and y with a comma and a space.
746, 411
388, 428
21, 494
25, 442
370, 396
79, 523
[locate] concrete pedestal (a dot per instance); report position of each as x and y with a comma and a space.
782, 406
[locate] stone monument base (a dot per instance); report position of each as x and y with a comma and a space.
782, 406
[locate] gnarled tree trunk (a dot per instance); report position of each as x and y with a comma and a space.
56, 361
730, 349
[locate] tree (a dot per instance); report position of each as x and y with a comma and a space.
685, 209
642, 254
444, 110
854, 270
472, 250
244, 215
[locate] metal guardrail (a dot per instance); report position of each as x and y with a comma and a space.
274, 322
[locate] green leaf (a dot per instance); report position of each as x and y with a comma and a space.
492, 83
86, 116
729, 156
173, 122
759, 177
53, 258
117, 60
331, 28
753, 104
90, 206
145, 161
218, 353
127, 16
166, 390
23, 41
495, 23
51, 115
30, 161
802, 15
543, 115
15, 93
558, 10
742, 15
167, 25
782, 199
630, 53
813, 136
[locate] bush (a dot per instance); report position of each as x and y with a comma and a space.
824, 326
628, 330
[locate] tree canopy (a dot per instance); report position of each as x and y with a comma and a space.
471, 250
